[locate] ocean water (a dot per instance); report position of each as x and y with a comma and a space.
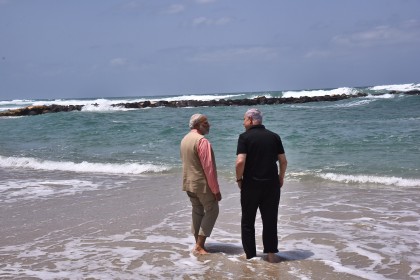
96, 193
369, 140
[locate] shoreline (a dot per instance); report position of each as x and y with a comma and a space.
139, 226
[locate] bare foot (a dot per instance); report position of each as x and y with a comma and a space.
273, 258
200, 250
242, 257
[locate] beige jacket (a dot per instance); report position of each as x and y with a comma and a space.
194, 178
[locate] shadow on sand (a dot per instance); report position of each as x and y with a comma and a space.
228, 249
287, 256
282, 256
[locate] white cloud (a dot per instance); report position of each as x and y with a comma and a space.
222, 21
367, 37
205, 1
236, 54
118, 62
318, 54
175, 9
406, 32
132, 4
411, 23
199, 21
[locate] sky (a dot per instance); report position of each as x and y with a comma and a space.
109, 48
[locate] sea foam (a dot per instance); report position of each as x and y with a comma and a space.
311, 93
83, 167
198, 97
364, 179
401, 87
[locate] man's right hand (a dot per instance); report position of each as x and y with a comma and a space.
218, 196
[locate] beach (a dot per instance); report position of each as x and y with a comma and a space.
138, 227
96, 193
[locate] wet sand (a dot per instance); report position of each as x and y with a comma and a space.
116, 227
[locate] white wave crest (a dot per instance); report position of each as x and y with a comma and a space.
102, 105
402, 87
267, 95
9, 108
100, 102
311, 93
82, 167
352, 104
364, 179
16, 102
382, 96
197, 97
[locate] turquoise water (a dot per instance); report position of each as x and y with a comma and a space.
366, 140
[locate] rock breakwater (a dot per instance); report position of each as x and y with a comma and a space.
262, 100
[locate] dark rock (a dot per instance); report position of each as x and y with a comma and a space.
42, 109
260, 100
413, 92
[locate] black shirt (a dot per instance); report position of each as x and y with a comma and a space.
262, 148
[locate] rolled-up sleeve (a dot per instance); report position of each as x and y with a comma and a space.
204, 150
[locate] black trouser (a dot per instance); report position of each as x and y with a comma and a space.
266, 197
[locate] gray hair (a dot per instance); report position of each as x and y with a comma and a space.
195, 119
255, 114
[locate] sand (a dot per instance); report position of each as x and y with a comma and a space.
138, 227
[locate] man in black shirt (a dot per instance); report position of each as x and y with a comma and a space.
259, 179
